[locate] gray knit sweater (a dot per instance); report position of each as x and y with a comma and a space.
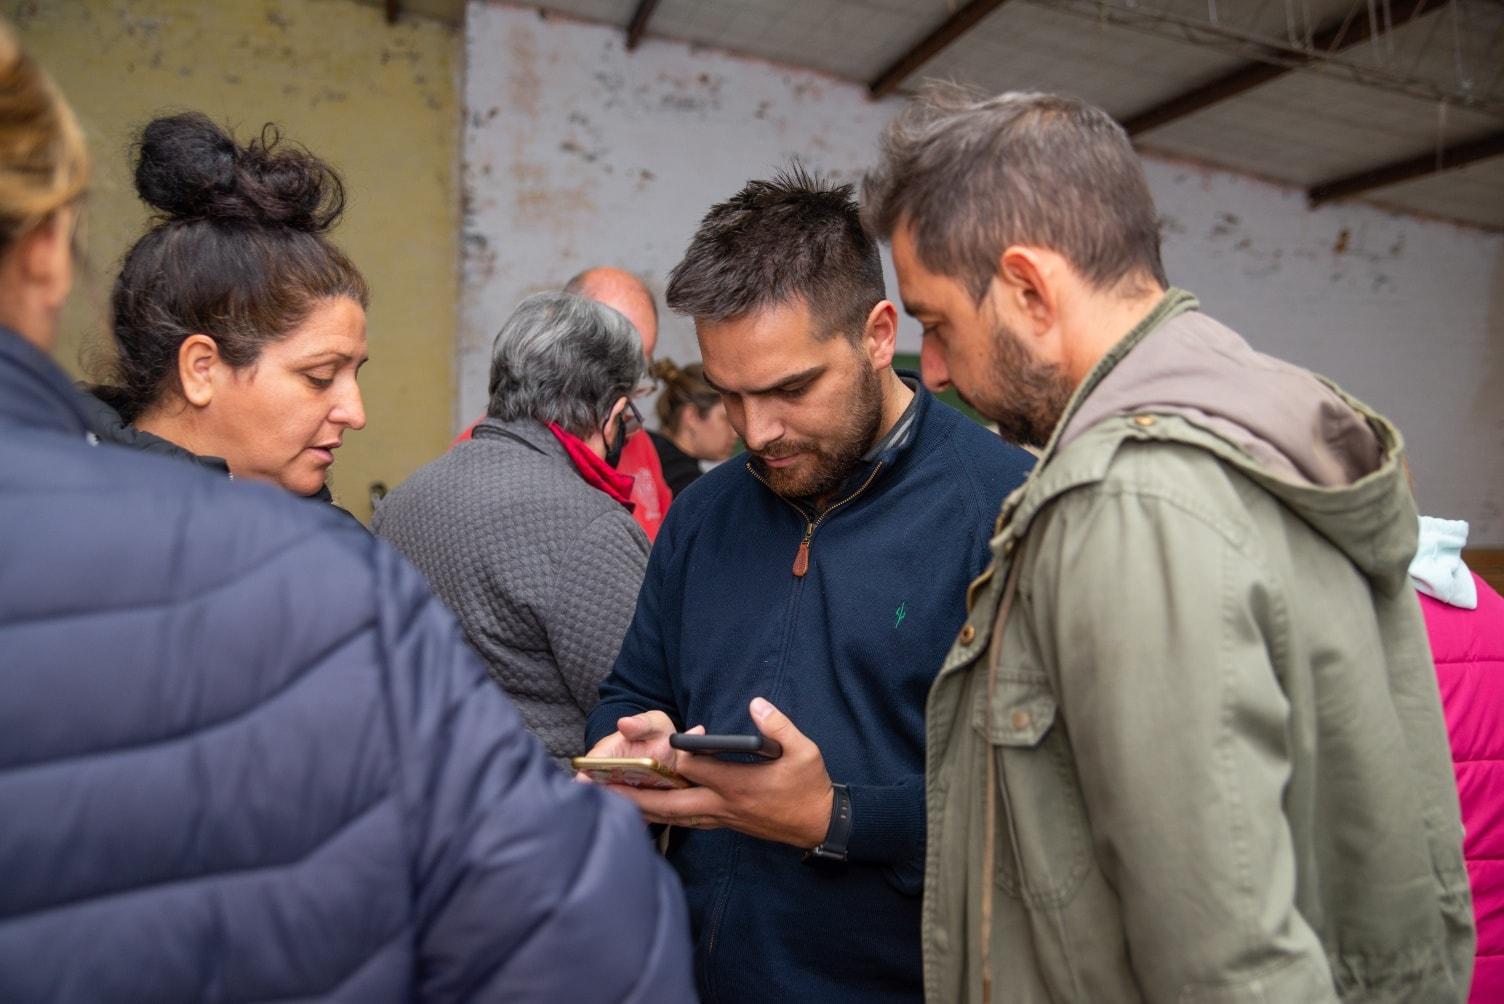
541, 568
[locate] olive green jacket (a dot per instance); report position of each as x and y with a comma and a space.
1198, 754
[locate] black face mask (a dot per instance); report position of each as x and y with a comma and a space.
617, 443
627, 419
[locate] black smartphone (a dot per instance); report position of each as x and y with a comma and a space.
732, 747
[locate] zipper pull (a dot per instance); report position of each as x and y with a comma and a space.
801, 557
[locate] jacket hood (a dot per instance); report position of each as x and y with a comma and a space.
1438, 569
1324, 454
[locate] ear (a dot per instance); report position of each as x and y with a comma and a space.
880, 336
1026, 282
614, 415
198, 358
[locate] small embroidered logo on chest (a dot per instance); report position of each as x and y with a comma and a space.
900, 614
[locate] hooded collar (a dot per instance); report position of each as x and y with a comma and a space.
35, 392
1181, 377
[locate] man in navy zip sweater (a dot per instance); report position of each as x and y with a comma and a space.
809, 593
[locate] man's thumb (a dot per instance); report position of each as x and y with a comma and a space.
771, 722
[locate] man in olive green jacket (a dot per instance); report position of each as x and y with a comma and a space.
1188, 745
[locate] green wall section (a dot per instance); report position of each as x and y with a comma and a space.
378, 101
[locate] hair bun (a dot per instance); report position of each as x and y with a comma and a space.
189, 168
665, 370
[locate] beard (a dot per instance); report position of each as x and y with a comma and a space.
1025, 397
826, 463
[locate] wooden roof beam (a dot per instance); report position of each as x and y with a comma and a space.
639, 23
1333, 38
954, 27
1450, 158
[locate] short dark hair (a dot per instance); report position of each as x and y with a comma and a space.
972, 175
796, 237
237, 251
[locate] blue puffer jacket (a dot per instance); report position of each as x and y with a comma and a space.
245, 755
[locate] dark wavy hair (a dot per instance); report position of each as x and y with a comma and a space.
237, 251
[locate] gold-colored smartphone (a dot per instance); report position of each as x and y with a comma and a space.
637, 771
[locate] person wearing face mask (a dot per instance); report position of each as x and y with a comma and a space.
525, 529
245, 754
238, 327
693, 421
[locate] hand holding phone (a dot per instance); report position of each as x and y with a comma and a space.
637, 772
755, 745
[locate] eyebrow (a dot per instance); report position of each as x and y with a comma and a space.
913, 307
808, 374
319, 358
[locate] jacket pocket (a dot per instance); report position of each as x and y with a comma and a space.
1043, 845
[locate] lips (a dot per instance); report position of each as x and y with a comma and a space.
325, 451
777, 462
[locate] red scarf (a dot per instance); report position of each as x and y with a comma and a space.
596, 472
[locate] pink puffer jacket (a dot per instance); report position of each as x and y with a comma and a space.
1469, 649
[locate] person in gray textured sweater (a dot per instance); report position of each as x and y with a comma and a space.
525, 530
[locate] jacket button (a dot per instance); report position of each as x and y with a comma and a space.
1020, 720
1143, 420
967, 634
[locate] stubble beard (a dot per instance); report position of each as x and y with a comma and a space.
1025, 397
829, 462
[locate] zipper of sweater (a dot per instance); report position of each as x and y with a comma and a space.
801, 556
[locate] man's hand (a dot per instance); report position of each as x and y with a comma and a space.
640, 735
786, 800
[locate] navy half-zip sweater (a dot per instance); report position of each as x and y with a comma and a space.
848, 652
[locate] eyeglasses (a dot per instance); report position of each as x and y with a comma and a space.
631, 418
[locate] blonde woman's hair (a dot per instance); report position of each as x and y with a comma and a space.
43, 162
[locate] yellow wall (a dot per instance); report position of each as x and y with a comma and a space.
379, 102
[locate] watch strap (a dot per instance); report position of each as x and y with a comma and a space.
833, 849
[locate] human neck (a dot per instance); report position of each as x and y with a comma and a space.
896, 398
1100, 320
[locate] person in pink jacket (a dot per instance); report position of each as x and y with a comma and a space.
1465, 619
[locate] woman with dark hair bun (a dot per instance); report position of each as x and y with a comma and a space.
693, 423
238, 327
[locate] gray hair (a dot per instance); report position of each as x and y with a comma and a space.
565, 359
972, 175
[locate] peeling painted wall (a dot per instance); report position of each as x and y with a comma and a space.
380, 102
578, 153
1406, 314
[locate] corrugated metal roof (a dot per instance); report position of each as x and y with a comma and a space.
1438, 79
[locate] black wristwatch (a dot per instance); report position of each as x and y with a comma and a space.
831, 852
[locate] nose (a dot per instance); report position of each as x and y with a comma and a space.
759, 426
350, 411
932, 368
